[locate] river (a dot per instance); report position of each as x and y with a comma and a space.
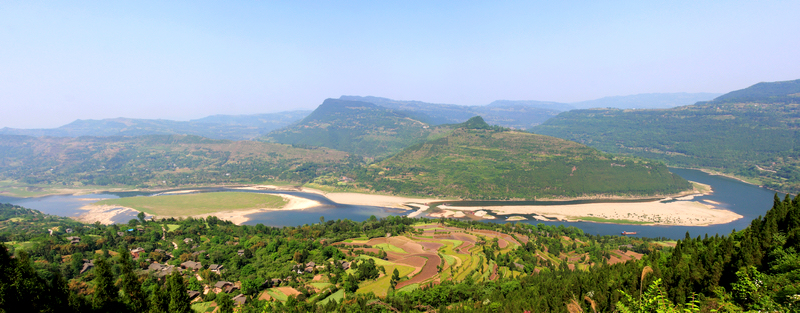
748, 200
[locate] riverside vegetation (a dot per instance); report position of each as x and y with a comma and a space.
389, 265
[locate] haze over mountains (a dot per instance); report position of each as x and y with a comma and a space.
514, 114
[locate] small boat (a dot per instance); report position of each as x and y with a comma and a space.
628, 233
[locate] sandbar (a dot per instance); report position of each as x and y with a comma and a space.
684, 213
102, 213
105, 213
375, 200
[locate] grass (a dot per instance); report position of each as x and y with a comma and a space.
202, 307
200, 203
613, 221
172, 227
320, 286
409, 288
338, 296
277, 294
381, 286
389, 248
20, 244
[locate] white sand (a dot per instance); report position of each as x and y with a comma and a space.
101, 213
686, 213
420, 209
375, 200
448, 214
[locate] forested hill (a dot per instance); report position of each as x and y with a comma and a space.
158, 160
751, 132
232, 127
357, 127
774, 92
478, 161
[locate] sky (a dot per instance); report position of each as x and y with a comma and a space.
67, 60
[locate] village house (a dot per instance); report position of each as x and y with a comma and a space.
216, 268
136, 252
239, 299
74, 240
240, 252
223, 286
86, 266
192, 294
192, 265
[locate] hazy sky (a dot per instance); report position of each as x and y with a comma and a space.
64, 60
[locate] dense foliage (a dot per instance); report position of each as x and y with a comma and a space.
157, 160
478, 161
750, 133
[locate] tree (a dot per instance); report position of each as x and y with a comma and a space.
159, 300
106, 295
225, 303
141, 217
132, 292
178, 298
395, 278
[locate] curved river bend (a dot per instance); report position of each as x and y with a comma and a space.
748, 200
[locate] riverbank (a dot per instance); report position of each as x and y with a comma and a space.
670, 212
106, 213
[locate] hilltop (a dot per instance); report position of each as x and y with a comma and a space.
357, 127
478, 161
750, 133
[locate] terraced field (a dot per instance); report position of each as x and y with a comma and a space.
435, 253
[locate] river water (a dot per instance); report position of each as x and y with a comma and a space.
748, 200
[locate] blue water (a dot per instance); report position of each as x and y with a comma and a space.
748, 200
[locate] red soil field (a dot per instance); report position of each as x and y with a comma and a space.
289, 291
427, 272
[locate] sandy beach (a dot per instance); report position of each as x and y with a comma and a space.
105, 213
101, 213
375, 200
685, 213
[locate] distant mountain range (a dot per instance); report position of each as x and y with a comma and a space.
752, 132
513, 114
232, 127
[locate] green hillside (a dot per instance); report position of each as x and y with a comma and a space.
357, 127
751, 133
478, 161
157, 160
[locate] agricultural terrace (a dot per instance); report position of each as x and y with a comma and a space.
434, 253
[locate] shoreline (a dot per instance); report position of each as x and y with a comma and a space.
105, 213
682, 208
676, 213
